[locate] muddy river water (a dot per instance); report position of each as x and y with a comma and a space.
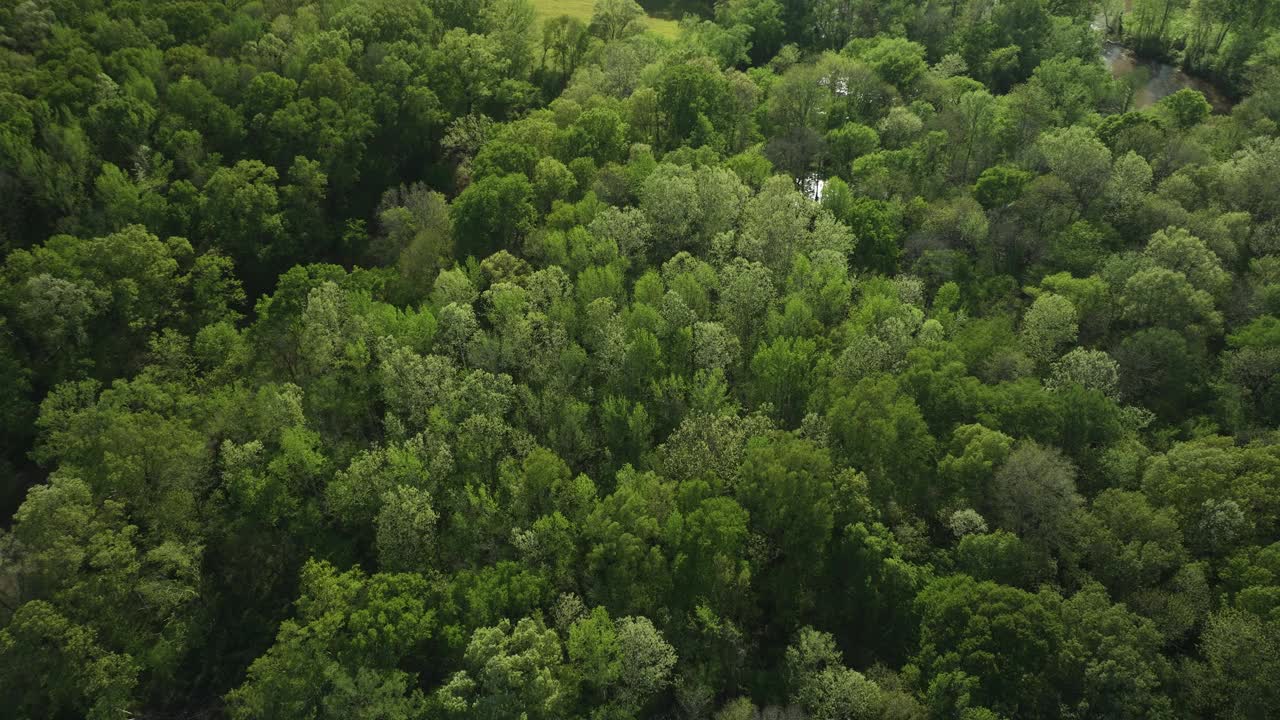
1156, 79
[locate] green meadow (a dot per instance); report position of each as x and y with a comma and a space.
582, 9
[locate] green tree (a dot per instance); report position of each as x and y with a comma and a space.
822, 685
880, 431
897, 61
76, 676
782, 370
86, 303
1076, 156
470, 69
493, 214
1251, 364
341, 654
850, 142
1048, 324
763, 18
691, 98
786, 486
1034, 495
646, 661
511, 670
1239, 652
1166, 298
406, 530
1114, 660
1185, 108
594, 649
599, 134
565, 42
1130, 545
616, 19
242, 215
981, 630
1198, 478
969, 466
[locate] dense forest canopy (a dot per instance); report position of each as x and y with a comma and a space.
825, 359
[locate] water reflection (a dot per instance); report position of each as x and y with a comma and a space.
1154, 80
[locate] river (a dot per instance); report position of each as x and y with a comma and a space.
1162, 79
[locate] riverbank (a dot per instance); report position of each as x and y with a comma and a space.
1161, 79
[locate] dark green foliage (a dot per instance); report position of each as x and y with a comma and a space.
828, 359
494, 214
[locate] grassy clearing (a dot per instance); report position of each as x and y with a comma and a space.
582, 9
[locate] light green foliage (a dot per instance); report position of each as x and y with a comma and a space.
340, 654
1127, 187
646, 660
966, 522
822, 685
406, 530
1166, 298
593, 646
1078, 158
852, 141
775, 224
782, 370
1049, 323
1090, 369
1185, 108
614, 19
746, 291
155, 462
688, 208
1195, 478
511, 670
52, 666
1180, 251
898, 62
